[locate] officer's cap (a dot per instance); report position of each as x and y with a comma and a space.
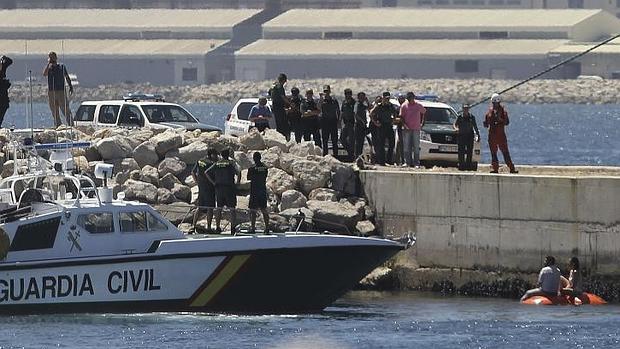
326, 88
386, 94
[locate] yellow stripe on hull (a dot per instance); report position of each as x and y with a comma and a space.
212, 289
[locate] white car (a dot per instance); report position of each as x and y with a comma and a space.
138, 111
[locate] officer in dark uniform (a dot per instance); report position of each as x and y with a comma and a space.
5, 84
257, 175
310, 118
225, 190
279, 102
466, 128
330, 119
382, 116
293, 113
203, 173
362, 106
347, 135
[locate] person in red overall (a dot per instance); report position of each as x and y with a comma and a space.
496, 119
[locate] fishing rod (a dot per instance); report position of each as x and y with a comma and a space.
567, 60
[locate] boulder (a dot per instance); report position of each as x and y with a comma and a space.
168, 181
7, 168
244, 160
365, 228
292, 199
141, 191
171, 165
225, 142
92, 154
270, 159
286, 162
274, 138
333, 215
323, 194
135, 175
182, 192
310, 175
140, 135
294, 217
81, 163
125, 165
164, 196
279, 181
167, 141
150, 174
121, 177
252, 140
172, 153
304, 149
115, 147
343, 177
193, 152
145, 154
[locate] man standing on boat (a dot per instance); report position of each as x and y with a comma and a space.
496, 119
5, 84
58, 100
203, 174
279, 102
225, 172
257, 175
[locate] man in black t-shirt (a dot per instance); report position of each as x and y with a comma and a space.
279, 102
257, 175
203, 173
360, 111
225, 172
347, 135
293, 113
310, 118
330, 120
382, 116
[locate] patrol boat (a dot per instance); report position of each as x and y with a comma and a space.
68, 246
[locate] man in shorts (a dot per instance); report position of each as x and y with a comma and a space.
225, 172
257, 175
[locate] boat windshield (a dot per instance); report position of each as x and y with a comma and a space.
439, 116
157, 113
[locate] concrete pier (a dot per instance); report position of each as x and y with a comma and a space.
502, 223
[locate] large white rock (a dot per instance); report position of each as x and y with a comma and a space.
310, 175
168, 181
171, 165
334, 215
141, 191
323, 194
292, 199
279, 181
244, 160
274, 138
145, 154
269, 158
304, 149
365, 228
167, 141
115, 147
193, 152
252, 140
286, 162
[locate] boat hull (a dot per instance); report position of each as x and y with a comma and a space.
584, 298
274, 281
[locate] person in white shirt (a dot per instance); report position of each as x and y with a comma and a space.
548, 281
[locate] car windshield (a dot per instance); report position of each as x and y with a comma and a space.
167, 113
439, 116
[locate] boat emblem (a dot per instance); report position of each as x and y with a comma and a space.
73, 237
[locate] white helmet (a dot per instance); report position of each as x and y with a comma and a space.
496, 98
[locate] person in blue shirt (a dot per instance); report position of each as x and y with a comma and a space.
260, 114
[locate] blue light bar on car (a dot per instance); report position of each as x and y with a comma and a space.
138, 97
66, 145
427, 97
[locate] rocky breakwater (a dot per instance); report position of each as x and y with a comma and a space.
154, 166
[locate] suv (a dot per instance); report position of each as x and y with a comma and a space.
138, 111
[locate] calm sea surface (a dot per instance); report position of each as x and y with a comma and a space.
562, 134
538, 134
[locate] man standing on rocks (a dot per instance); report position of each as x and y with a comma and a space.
279, 102
257, 175
496, 119
310, 118
330, 120
5, 84
382, 116
347, 136
293, 113
203, 174
225, 189
361, 122
412, 118
58, 100
467, 130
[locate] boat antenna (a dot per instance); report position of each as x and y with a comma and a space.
567, 60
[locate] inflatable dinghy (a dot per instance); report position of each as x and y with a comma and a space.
584, 298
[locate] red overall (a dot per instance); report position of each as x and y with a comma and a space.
496, 120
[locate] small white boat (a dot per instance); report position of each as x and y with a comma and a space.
67, 246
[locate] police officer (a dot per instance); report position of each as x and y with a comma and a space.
382, 116
496, 119
310, 118
203, 173
362, 105
330, 119
279, 102
257, 175
5, 84
225, 191
347, 135
293, 113
466, 128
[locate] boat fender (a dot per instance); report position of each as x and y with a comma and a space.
5, 243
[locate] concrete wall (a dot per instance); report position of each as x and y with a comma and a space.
500, 221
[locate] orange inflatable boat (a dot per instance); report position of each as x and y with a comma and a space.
584, 298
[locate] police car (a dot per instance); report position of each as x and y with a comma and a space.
138, 110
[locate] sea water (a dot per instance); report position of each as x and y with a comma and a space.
550, 134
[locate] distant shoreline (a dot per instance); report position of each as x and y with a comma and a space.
580, 91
